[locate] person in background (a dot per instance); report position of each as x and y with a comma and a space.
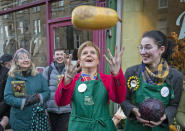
5, 63
90, 91
180, 116
59, 115
25, 87
153, 78
3, 123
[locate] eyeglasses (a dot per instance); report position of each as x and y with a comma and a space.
24, 58
146, 48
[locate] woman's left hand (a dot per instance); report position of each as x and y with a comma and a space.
115, 62
153, 124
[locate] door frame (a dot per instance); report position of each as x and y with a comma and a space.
66, 22
99, 36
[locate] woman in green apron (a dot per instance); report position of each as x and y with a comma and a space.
89, 91
152, 79
180, 116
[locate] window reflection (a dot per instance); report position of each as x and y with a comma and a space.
63, 8
8, 4
25, 29
69, 39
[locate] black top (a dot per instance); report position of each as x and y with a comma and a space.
4, 108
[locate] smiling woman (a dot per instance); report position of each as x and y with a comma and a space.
153, 78
25, 89
90, 90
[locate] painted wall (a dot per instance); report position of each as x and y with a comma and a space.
132, 31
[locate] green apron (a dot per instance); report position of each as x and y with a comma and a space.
90, 111
149, 91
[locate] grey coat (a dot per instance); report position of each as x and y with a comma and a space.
51, 106
174, 78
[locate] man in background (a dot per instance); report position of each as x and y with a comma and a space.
5, 64
59, 116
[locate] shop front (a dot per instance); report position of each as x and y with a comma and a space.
140, 16
40, 26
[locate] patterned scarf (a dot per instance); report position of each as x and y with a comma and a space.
87, 77
158, 76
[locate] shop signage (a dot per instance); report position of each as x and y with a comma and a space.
182, 30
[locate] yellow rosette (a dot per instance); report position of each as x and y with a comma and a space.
133, 83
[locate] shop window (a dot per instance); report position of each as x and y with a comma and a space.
6, 16
76, 41
57, 42
163, 4
37, 27
61, 3
63, 8
36, 9
6, 31
21, 28
20, 2
69, 39
168, 16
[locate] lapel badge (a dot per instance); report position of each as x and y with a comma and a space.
82, 88
133, 83
165, 91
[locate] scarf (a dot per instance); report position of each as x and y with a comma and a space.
158, 76
59, 66
26, 73
87, 77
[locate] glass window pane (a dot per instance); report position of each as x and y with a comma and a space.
69, 39
25, 30
145, 15
7, 4
68, 5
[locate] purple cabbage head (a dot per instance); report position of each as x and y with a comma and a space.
151, 109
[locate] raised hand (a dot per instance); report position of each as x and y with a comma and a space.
115, 62
71, 70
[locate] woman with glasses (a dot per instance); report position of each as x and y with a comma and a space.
25, 88
153, 78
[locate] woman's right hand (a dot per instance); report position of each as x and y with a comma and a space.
71, 70
138, 116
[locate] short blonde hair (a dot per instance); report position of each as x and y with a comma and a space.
86, 44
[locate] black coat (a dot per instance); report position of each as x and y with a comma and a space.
4, 108
174, 78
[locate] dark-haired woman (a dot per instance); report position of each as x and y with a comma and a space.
153, 78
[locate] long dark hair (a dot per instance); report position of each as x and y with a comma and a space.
161, 40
